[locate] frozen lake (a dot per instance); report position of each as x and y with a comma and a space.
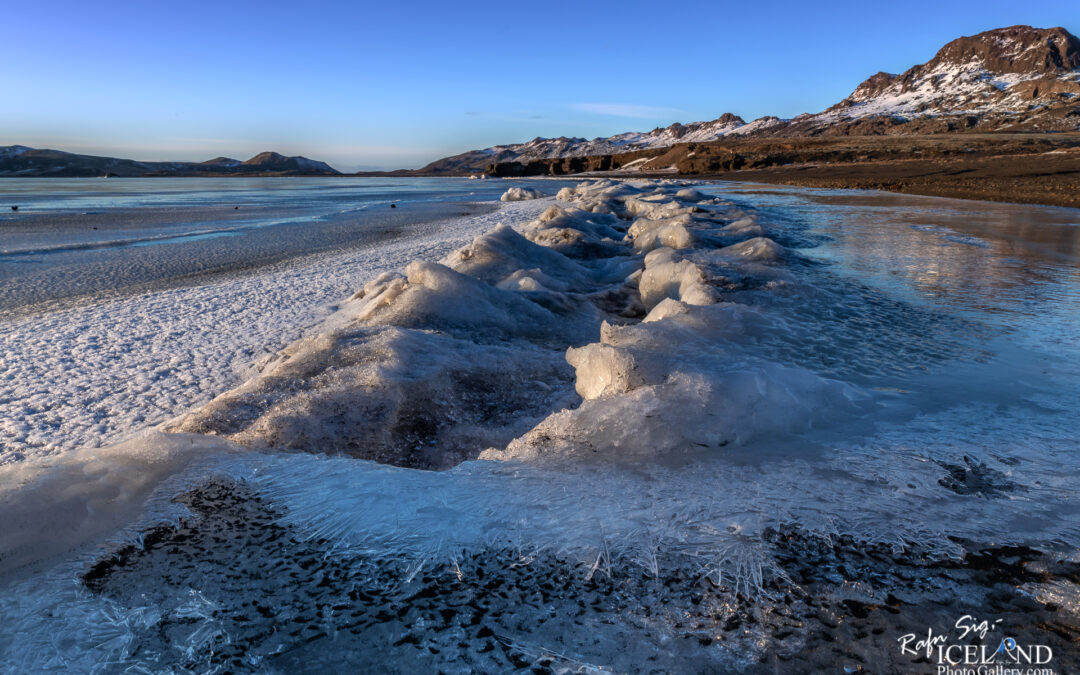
830, 418
76, 241
109, 330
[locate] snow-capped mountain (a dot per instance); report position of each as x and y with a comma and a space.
1009, 71
1016, 78
663, 137
552, 148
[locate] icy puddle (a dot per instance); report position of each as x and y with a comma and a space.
661, 428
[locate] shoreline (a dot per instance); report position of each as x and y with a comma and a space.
1007, 167
1015, 180
198, 253
923, 180
1010, 179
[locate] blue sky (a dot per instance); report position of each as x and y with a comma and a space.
397, 84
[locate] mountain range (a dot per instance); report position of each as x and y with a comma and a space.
19, 160
1016, 79
1009, 79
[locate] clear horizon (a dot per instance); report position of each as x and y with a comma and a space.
367, 86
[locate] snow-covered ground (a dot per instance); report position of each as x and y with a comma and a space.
92, 375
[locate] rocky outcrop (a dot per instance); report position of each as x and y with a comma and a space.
560, 166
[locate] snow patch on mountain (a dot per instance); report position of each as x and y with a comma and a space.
661, 137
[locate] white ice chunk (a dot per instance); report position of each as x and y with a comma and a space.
518, 194
746, 227
603, 370
666, 276
691, 195
665, 308
758, 249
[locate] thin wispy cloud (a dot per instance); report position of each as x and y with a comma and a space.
626, 110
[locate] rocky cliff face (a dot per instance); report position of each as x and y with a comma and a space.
1010, 79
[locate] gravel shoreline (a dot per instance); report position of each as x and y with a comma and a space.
1051, 179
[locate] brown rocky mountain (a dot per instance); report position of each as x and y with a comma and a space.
1009, 79
1005, 79
548, 148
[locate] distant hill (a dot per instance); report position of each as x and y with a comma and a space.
19, 160
272, 161
1009, 79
